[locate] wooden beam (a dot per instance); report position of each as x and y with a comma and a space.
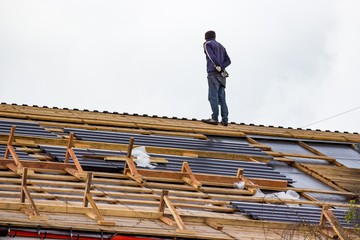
98, 213
248, 184
174, 213
165, 201
319, 177
130, 147
23, 183
212, 223
317, 152
130, 168
87, 189
190, 177
162, 202
69, 146
132, 172
25, 193
10, 140
33, 141
328, 215
11, 151
79, 173
40, 165
211, 178
122, 158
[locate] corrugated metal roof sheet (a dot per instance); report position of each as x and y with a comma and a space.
25, 129
198, 165
303, 180
22, 155
290, 213
344, 154
166, 141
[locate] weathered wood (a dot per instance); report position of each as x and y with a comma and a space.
11, 151
162, 202
25, 193
40, 165
98, 213
212, 223
329, 215
23, 183
87, 189
167, 220
10, 141
174, 213
190, 177
69, 146
319, 177
24, 140
123, 158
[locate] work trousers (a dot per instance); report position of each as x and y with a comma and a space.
217, 85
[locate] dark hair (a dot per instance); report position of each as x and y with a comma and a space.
210, 35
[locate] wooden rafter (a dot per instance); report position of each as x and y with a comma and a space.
212, 223
248, 184
328, 215
13, 164
318, 153
40, 165
129, 167
10, 149
88, 199
165, 201
25, 194
212, 179
303, 168
189, 177
79, 172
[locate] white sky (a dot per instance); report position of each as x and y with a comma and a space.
294, 62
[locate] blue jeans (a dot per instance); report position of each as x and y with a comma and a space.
217, 86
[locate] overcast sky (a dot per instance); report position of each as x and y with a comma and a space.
294, 62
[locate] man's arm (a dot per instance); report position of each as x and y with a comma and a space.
210, 53
227, 60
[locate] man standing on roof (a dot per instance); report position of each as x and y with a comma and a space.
217, 60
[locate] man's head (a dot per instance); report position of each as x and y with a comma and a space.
210, 35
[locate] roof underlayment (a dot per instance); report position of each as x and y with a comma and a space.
71, 174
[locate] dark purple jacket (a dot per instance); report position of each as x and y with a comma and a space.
218, 55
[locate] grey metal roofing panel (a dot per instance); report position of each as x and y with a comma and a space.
22, 155
344, 154
198, 165
88, 164
303, 180
289, 213
167, 141
287, 139
25, 129
286, 146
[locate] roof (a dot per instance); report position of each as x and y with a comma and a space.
73, 172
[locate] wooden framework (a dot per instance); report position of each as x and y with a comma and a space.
26, 194
88, 199
15, 164
165, 201
79, 172
172, 204
328, 215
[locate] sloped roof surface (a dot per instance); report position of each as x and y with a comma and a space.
70, 170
